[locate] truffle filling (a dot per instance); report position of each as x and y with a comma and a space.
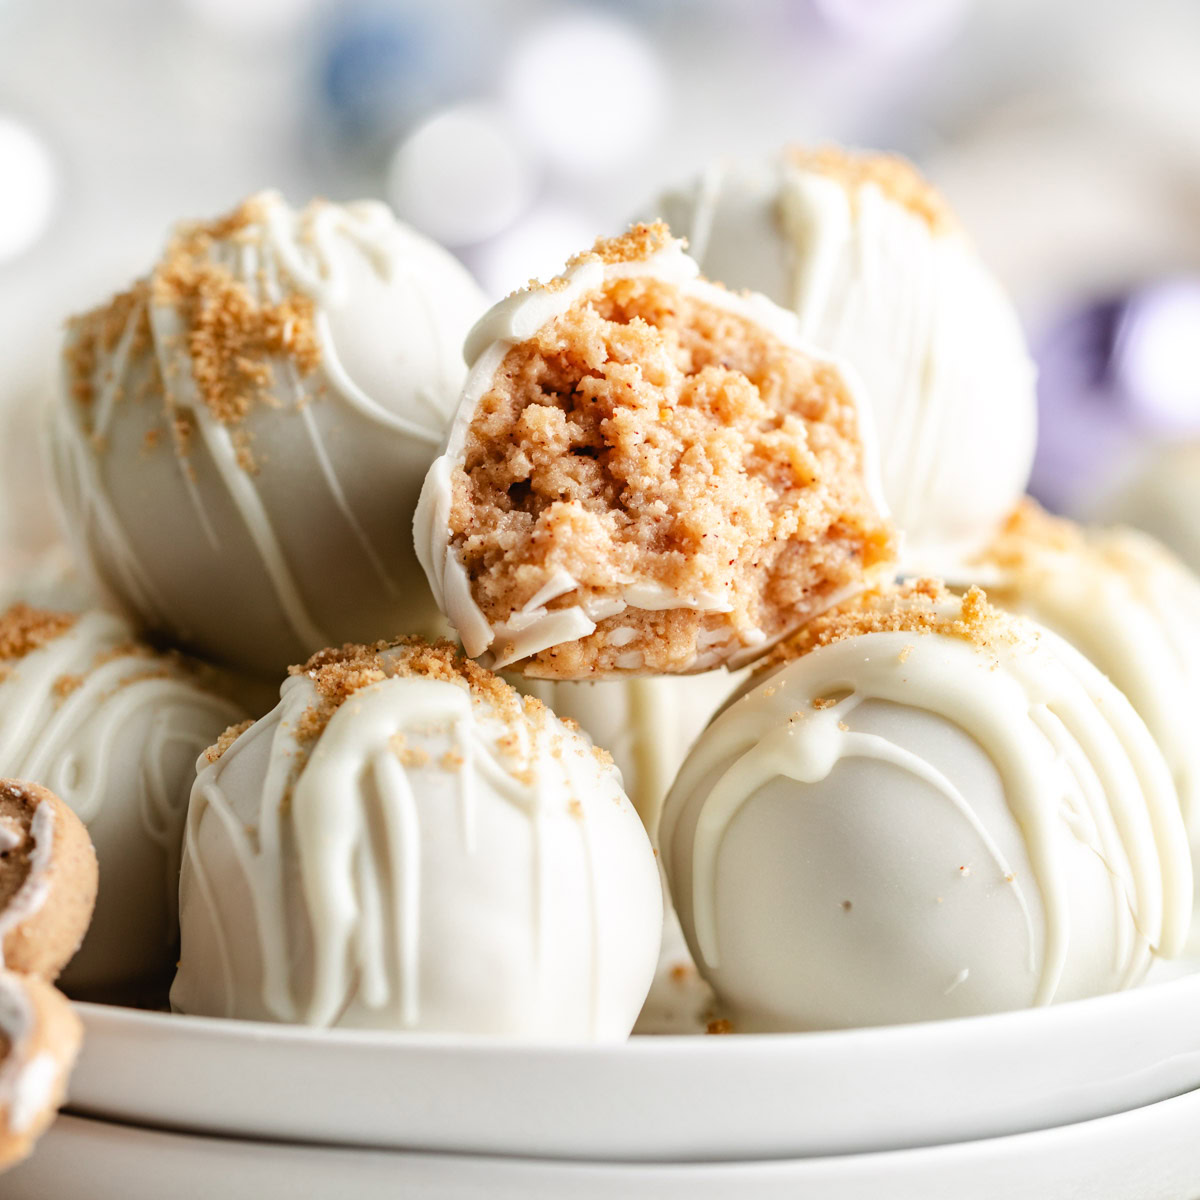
647, 437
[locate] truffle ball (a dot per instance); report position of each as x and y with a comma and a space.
113, 729
242, 435
646, 475
1160, 496
934, 809
648, 724
1129, 605
880, 274
406, 843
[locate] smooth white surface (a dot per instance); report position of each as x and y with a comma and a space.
670, 1098
905, 827
1152, 1153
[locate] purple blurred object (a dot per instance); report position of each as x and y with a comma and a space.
1114, 374
902, 26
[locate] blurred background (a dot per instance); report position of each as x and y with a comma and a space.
1067, 134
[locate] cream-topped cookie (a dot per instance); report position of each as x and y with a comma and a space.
48, 878
40, 1037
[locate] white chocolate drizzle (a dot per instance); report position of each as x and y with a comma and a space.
65, 742
1067, 746
346, 811
290, 252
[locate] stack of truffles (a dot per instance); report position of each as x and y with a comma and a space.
951, 769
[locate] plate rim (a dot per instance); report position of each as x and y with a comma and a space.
645, 1045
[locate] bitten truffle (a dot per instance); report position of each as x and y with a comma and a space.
647, 474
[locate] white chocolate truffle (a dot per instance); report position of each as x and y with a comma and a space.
935, 810
647, 475
113, 729
242, 436
1126, 603
405, 843
878, 271
648, 724
1161, 496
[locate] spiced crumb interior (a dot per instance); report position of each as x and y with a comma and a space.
648, 436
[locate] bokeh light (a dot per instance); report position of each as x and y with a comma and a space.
535, 248
587, 89
1154, 359
251, 18
461, 175
30, 186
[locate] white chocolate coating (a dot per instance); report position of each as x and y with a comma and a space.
962, 832
1161, 496
647, 724
437, 891
118, 748
1133, 609
312, 547
516, 319
936, 342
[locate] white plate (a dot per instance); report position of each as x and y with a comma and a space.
655, 1098
1152, 1153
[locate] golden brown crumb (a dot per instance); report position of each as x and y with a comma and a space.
95, 335
648, 435
409, 756
151, 438
719, 1025
231, 735
640, 242
896, 177
1029, 531
243, 452
922, 607
339, 672
24, 629
64, 685
682, 972
231, 336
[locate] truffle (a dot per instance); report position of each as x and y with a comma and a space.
926, 808
406, 843
241, 436
1125, 602
646, 475
880, 274
113, 729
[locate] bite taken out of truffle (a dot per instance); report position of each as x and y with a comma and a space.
647, 474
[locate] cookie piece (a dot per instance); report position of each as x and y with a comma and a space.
40, 1037
48, 878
